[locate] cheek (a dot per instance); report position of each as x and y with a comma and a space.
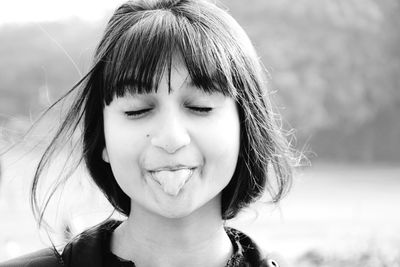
123, 148
123, 144
220, 147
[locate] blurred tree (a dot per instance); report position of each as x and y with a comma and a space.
39, 62
335, 65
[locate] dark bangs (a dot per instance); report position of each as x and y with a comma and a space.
151, 41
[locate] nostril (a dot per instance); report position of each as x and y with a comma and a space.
171, 143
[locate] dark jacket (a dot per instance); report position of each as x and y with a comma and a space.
89, 249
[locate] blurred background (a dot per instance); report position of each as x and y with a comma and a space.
334, 68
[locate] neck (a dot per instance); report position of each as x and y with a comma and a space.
152, 240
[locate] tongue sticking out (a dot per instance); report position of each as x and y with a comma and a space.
172, 181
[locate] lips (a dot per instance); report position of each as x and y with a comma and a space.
172, 168
173, 179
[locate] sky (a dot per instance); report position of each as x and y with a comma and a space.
25, 11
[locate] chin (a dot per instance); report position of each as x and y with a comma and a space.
187, 209
176, 212
176, 215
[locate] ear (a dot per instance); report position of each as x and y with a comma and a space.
104, 155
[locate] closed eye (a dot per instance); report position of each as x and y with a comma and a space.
203, 110
137, 113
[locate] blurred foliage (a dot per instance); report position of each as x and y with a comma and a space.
334, 64
370, 257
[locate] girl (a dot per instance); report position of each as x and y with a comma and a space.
179, 135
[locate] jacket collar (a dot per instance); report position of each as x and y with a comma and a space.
87, 248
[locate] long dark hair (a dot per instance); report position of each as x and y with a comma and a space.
138, 45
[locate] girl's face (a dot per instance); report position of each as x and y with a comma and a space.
172, 152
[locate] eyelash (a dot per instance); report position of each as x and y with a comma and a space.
140, 112
137, 113
202, 110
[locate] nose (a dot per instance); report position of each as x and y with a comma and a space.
171, 133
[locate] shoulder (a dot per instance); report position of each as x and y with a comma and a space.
43, 258
84, 250
87, 248
249, 251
